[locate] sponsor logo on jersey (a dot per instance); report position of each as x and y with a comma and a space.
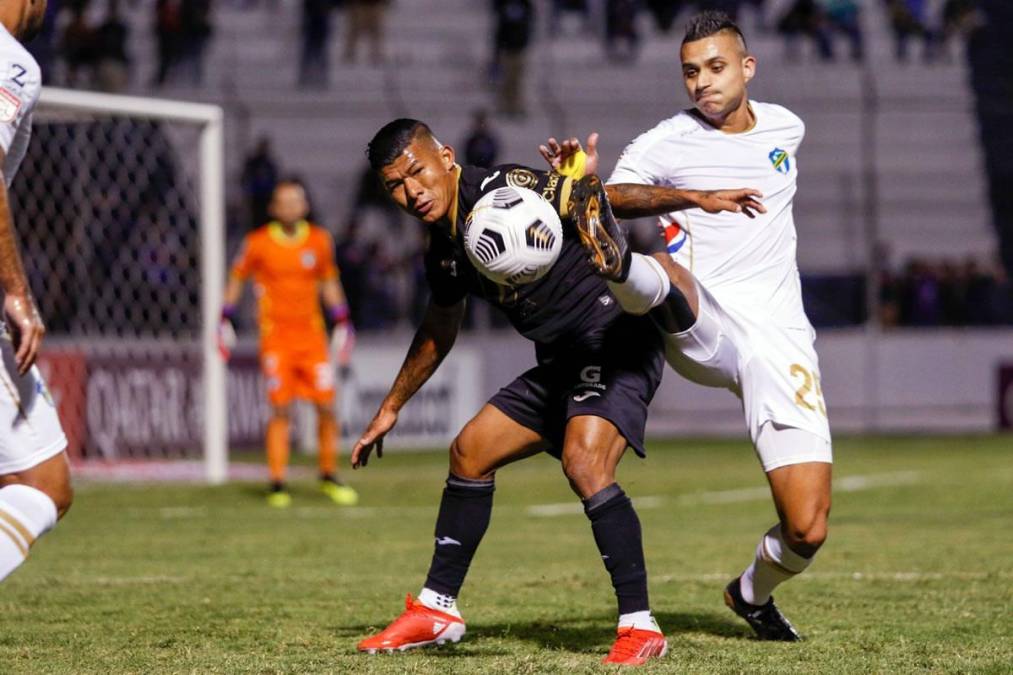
522, 178
308, 259
675, 238
10, 104
488, 180
779, 159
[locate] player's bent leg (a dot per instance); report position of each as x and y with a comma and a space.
592, 449
490, 440
801, 494
31, 502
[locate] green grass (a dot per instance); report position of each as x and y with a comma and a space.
916, 575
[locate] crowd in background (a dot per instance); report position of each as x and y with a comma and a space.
85, 43
946, 293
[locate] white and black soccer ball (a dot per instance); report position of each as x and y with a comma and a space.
513, 236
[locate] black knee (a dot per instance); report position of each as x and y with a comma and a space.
674, 314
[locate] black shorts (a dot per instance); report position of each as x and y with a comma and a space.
612, 374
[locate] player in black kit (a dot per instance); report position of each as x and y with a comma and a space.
585, 402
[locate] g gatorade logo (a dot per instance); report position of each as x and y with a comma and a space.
590, 383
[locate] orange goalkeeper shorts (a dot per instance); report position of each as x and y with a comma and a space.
297, 368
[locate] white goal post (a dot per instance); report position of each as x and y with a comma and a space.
93, 134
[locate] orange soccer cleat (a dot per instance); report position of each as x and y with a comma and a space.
418, 626
634, 646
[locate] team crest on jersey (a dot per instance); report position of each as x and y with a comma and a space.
675, 237
308, 259
521, 178
10, 104
779, 158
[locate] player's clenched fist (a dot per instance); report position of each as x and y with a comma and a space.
26, 328
343, 335
373, 437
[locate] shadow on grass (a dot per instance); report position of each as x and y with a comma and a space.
584, 634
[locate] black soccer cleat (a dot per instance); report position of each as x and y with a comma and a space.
766, 620
600, 234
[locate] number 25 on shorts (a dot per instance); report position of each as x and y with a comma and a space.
810, 385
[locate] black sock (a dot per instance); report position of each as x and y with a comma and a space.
617, 532
464, 516
673, 315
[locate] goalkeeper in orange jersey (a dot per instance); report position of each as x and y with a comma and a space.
292, 265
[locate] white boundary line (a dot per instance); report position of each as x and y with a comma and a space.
845, 484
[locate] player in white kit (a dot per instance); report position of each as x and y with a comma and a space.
726, 293
34, 475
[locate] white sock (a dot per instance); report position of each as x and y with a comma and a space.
25, 515
774, 563
645, 288
439, 601
642, 620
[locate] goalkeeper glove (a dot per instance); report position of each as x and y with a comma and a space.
227, 332
343, 336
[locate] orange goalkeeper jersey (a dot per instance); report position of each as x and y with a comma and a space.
287, 271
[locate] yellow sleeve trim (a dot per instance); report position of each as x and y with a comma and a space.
574, 165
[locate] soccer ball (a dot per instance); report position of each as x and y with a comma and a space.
513, 236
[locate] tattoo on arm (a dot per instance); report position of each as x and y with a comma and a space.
432, 342
629, 200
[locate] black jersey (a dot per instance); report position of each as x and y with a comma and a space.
570, 301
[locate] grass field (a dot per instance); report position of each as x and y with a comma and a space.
917, 574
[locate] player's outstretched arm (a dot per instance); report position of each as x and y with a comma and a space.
632, 200
433, 341
629, 200
26, 325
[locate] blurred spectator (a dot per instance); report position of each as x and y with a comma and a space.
44, 47
959, 19
352, 260
195, 33
567, 12
945, 293
78, 46
664, 13
907, 19
622, 42
113, 64
840, 16
481, 146
729, 7
803, 19
365, 18
371, 197
514, 22
168, 37
260, 175
316, 35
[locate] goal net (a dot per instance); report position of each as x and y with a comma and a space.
119, 211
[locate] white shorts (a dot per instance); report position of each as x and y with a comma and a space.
30, 431
773, 369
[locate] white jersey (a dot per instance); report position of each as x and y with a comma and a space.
747, 264
20, 85
30, 431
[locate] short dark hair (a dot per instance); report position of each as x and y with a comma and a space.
392, 139
710, 23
